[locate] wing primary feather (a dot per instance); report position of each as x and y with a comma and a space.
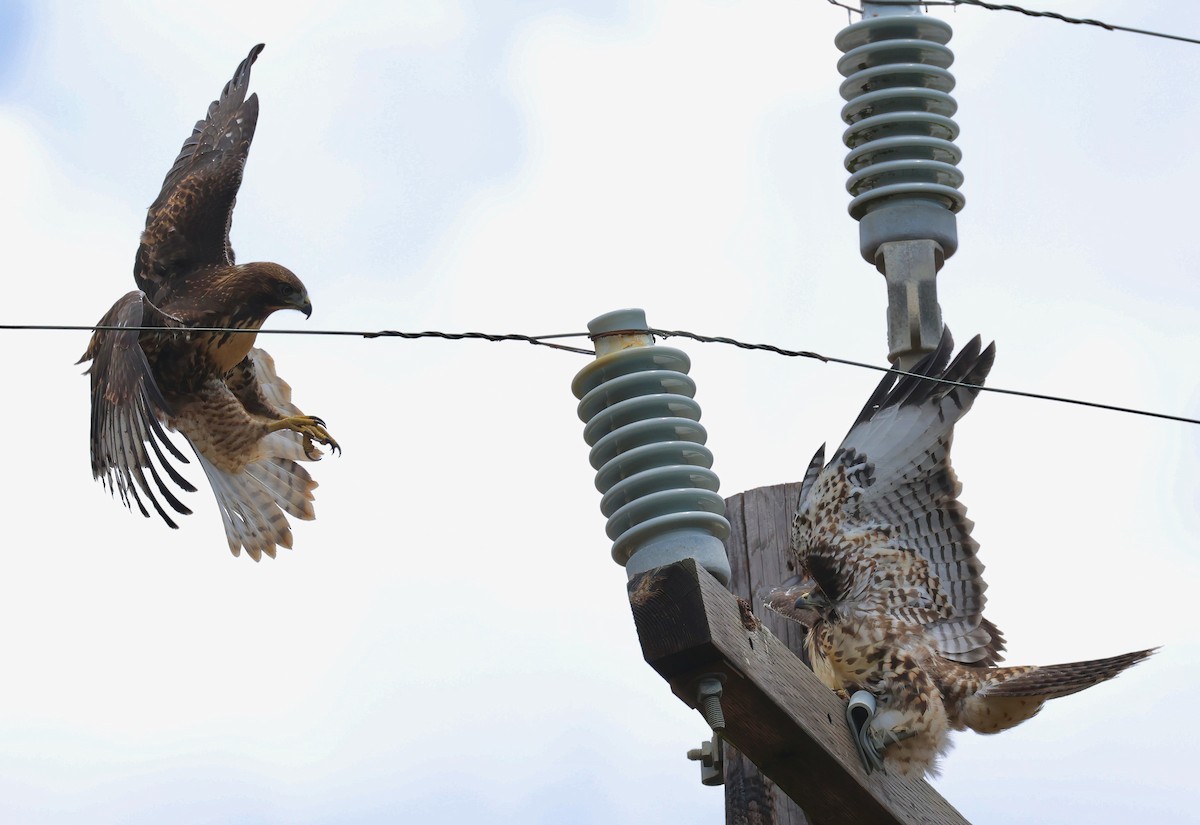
162, 438
810, 475
912, 390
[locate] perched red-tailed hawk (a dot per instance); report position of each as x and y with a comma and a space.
890, 588
217, 389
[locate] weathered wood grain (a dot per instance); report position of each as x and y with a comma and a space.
759, 556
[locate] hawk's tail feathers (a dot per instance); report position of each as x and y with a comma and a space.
1010, 695
253, 503
1053, 681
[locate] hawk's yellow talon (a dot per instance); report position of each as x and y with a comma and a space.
309, 426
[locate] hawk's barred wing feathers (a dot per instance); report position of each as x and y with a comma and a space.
128, 410
890, 487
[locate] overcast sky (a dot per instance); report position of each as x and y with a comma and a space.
450, 640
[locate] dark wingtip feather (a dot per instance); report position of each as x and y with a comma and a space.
970, 366
912, 390
815, 465
241, 75
894, 389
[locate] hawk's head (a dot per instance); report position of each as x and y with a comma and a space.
262, 288
800, 599
811, 597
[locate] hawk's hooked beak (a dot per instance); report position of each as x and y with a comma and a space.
812, 599
303, 304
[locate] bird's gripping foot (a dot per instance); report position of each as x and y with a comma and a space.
310, 427
870, 741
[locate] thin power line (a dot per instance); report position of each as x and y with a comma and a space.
830, 359
1078, 21
549, 341
540, 340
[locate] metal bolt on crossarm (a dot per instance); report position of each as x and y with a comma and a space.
708, 695
903, 163
710, 754
659, 492
711, 759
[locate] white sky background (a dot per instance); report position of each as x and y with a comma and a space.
450, 639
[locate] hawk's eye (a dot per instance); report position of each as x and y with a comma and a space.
287, 290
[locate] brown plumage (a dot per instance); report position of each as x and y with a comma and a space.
890, 587
217, 389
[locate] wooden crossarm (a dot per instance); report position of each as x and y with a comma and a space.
777, 713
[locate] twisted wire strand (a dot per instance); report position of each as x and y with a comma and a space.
863, 365
540, 340
1053, 15
550, 341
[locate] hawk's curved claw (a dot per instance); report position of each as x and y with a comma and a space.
310, 427
859, 714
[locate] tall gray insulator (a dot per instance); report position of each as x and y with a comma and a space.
643, 425
904, 176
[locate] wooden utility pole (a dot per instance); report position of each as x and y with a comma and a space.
777, 713
759, 519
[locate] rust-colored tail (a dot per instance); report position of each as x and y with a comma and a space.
1010, 695
1053, 681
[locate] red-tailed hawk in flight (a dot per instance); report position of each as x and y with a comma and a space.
217, 389
890, 588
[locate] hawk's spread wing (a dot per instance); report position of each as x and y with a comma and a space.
880, 528
188, 224
127, 411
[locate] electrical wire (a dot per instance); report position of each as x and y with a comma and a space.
1078, 21
549, 341
863, 365
540, 340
